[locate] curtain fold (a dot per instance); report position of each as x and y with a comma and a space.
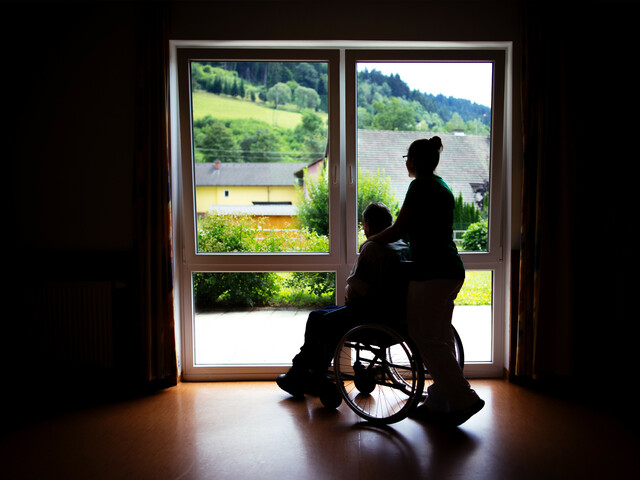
544, 326
152, 198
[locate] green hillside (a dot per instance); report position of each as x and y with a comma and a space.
226, 108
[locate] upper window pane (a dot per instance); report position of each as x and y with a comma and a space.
260, 143
399, 102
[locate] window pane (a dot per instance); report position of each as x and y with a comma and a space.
260, 141
472, 316
255, 318
401, 102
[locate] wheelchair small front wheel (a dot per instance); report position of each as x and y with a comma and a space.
379, 374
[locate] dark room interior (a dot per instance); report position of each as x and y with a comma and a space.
86, 145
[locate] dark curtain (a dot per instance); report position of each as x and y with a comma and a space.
576, 263
544, 345
152, 217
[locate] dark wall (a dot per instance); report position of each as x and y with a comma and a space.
69, 93
68, 96
68, 104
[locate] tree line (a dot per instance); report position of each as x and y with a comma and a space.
385, 102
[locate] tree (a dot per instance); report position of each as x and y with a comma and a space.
311, 134
375, 188
260, 146
313, 208
215, 142
306, 75
456, 123
279, 94
306, 98
393, 115
464, 214
313, 202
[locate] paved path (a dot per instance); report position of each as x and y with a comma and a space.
274, 336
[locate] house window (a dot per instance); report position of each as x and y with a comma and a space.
305, 139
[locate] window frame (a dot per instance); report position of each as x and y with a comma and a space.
342, 170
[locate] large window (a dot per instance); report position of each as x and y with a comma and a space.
279, 151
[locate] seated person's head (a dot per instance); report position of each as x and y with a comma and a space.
375, 218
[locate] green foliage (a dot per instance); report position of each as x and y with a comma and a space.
279, 94
316, 283
375, 188
429, 112
393, 114
306, 98
237, 233
251, 140
215, 142
475, 239
385, 102
464, 214
233, 289
310, 135
313, 207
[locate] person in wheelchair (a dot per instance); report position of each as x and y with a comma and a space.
373, 291
426, 218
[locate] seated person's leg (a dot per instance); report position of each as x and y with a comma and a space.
323, 331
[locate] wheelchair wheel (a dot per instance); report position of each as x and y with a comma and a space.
379, 374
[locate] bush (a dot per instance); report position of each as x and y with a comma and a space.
245, 289
242, 233
313, 206
475, 239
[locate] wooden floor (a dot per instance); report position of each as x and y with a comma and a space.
252, 430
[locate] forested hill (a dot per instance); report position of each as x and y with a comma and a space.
385, 102
445, 107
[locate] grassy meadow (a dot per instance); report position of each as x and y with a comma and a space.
226, 108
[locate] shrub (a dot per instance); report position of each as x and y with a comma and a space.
242, 233
475, 239
313, 205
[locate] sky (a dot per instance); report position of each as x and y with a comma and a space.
471, 81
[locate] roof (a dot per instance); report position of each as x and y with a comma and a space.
464, 163
464, 160
247, 174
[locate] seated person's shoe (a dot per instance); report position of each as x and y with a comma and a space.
292, 383
330, 395
321, 385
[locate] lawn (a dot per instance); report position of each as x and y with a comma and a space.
476, 289
225, 108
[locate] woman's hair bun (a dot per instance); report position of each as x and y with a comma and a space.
436, 142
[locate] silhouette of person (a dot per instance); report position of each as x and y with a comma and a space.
437, 274
373, 290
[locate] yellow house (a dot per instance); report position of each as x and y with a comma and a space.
256, 189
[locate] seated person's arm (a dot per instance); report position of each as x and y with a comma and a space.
364, 271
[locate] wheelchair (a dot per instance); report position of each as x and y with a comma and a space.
380, 374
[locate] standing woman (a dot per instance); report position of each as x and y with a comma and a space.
426, 218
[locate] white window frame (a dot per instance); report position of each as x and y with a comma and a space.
342, 168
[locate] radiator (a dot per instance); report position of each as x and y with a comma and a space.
76, 319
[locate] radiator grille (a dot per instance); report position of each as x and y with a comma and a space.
77, 320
